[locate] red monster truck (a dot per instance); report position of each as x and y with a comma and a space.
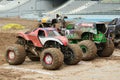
46, 45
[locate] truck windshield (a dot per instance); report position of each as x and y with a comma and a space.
53, 33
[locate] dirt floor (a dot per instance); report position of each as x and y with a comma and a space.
97, 69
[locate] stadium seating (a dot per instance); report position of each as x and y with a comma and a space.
69, 6
87, 7
10, 4
99, 8
110, 1
79, 7
2, 2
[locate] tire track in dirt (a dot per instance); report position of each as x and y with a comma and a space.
16, 68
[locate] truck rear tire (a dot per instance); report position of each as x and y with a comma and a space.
15, 54
89, 49
108, 49
74, 54
51, 58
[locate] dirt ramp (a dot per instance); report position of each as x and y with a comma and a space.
6, 39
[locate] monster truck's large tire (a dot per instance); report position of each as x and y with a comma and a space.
74, 54
51, 58
15, 54
108, 49
32, 56
89, 49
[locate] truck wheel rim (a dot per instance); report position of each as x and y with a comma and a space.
84, 48
48, 59
11, 54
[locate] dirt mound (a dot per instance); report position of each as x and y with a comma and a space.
6, 39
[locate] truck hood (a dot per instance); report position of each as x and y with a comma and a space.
63, 39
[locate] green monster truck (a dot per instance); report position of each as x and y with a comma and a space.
93, 38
